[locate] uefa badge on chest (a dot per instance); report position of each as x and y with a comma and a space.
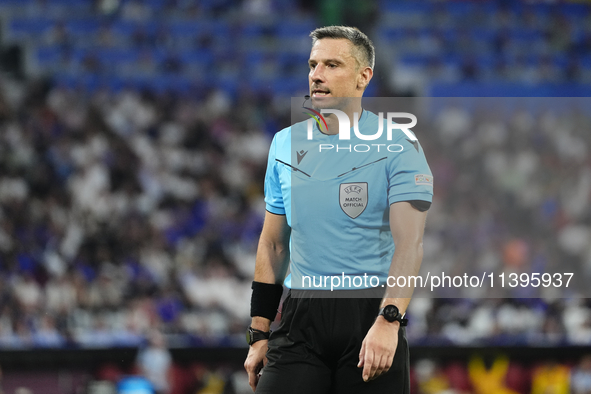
353, 198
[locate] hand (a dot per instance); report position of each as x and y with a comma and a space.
378, 348
255, 361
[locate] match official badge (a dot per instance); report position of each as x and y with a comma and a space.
353, 198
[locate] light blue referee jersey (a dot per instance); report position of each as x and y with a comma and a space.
336, 195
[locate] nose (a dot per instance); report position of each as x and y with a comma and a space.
317, 74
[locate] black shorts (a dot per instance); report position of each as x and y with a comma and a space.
316, 348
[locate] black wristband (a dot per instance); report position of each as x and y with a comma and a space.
265, 300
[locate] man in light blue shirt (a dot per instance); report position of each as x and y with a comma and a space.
348, 209
343, 196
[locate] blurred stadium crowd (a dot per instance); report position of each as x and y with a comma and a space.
121, 213
126, 211
132, 158
512, 194
131, 177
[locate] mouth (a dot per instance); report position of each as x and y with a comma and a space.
320, 93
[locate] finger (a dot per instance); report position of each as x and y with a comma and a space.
369, 359
376, 370
361, 355
389, 361
252, 380
257, 377
252, 375
374, 367
385, 369
382, 366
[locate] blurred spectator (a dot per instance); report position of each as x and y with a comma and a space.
154, 363
209, 381
47, 334
134, 385
431, 379
489, 376
580, 378
551, 378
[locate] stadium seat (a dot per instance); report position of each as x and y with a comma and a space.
47, 56
83, 26
30, 27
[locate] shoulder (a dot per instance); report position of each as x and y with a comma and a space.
282, 137
282, 140
281, 144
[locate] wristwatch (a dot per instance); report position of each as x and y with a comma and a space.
253, 335
392, 314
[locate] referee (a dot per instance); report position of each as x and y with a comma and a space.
333, 213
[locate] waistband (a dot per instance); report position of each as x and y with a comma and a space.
372, 292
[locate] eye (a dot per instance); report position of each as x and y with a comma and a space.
332, 65
312, 66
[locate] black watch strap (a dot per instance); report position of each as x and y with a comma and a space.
253, 335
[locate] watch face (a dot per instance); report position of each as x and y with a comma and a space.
254, 335
390, 312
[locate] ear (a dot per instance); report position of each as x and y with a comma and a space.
364, 77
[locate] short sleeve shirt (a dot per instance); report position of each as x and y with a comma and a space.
336, 195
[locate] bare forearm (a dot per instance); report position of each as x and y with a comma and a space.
271, 262
260, 323
406, 262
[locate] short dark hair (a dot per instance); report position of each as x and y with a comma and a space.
359, 40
